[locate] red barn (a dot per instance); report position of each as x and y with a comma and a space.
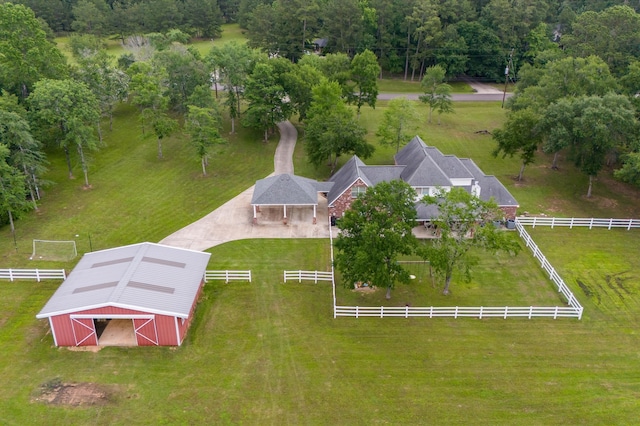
143, 294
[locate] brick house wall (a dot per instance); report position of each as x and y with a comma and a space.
343, 202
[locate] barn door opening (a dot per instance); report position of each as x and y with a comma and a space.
84, 331
146, 332
116, 332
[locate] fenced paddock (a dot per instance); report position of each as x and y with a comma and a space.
314, 276
227, 276
33, 274
570, 222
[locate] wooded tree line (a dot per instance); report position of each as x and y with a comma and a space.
464, 36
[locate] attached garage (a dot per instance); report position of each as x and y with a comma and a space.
138, 295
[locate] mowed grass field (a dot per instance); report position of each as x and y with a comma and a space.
271, 353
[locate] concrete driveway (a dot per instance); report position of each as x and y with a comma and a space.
234, 219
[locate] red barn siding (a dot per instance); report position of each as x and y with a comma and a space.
165, 327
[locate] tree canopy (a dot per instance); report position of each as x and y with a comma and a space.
464, 222
374, 233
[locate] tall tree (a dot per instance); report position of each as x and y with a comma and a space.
231, 63
364, 80
109, 84
146, 89
27, 55
184, 73
268, 103
90, 16
424, 24
331, 129
203, 125
12, 188
398, 123
71, 111
374, 233
25, 153
464, 222
519, 135
437, 92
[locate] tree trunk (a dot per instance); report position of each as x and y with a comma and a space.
204, 166
266, 135
406, 59
99, 131
521, 172
554, 163
111, 121
233, 125
12, 226
68, 158
447, 281
159, 148
590, 186
413, 69
85, 169
388, 295
430, 111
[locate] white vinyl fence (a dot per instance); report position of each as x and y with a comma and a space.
314, 276
33, 274
575, 221
227, 276
455, 311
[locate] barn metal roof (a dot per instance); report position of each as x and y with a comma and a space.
145, 277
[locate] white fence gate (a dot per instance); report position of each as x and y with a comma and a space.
227, 276
33, 274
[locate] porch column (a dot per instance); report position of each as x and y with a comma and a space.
255, 215
314, 214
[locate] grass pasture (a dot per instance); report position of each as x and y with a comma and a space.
271, 353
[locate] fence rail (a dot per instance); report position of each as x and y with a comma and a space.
33, 274
458, 311
553, 275
578, 222
227, 276
314, 276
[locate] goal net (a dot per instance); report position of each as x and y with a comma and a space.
53, 250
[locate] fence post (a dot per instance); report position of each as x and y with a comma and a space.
480, 312
315, 281
299, 276
356, 312
431, 312
610, 223
580, 313
456, 314
555, 315
38, 275
381, 311
506, 310
571, 224
591, 223
629, 227
10, 275
406, 311
530, 311
553, 221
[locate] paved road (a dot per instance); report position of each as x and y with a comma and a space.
456, 97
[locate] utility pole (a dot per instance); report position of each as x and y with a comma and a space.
507, 72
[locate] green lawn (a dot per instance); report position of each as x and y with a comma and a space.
271, 353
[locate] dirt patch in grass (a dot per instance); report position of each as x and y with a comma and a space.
602, 202
56, 392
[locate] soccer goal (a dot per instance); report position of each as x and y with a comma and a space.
54, 250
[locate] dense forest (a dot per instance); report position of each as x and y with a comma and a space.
475, 37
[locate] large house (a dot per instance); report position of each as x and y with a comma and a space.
426, 169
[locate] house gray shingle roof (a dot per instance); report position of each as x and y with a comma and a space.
286, 189
146, 277
490, 186
421, 166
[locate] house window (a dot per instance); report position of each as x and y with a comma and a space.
357, 191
